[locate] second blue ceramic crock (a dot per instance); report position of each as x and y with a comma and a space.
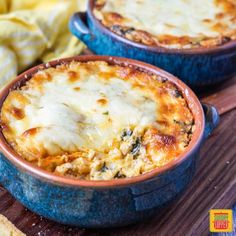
196, 67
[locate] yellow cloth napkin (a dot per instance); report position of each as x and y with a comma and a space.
8, 229
33, 30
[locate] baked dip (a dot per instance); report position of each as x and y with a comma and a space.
175, 24
96, 121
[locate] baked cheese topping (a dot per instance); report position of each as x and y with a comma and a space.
97, 121
170, 23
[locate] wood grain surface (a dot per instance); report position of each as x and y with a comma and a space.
223, 97
214, 186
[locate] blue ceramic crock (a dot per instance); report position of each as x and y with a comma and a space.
196, 67
99, 204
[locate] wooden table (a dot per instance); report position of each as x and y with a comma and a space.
214, 186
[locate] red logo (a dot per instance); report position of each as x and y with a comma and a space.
221, 221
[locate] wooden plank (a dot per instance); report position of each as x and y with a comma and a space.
223, 99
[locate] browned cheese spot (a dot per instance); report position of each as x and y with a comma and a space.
17, 113
41, 77
4, 126
170, 39
158, 140
77, 88
30, 132
207, 20
113, 17
102, 101
73, 76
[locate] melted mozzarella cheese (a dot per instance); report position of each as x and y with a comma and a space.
158, 17
68, 119
97, 121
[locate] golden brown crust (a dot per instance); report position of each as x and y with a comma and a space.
149, 146
222, 25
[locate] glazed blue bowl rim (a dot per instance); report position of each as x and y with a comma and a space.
214, 49
193, 103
